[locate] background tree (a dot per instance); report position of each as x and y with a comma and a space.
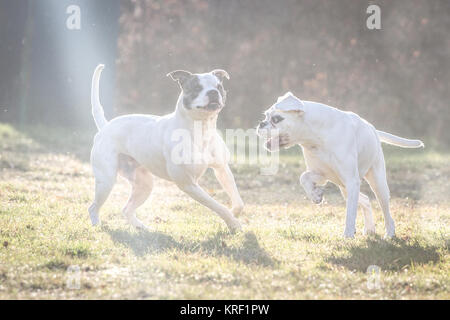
396, 77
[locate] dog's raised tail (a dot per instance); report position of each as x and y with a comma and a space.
399, 141
97, 109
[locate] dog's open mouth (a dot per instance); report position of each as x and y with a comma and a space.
212, 106
276, 142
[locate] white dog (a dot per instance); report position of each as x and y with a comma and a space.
140, 146
339, 147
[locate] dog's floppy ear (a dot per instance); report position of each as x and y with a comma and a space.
288, 102
180, 76
220, 74
284, 96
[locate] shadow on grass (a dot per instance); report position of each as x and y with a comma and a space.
145, 242
58, 140
22, 144
394, 255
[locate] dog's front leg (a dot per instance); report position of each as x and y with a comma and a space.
197, 193
226, 180
352, 187
312, 183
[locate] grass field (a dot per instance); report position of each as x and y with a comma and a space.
289, 249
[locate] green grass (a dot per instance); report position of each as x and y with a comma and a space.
289, 249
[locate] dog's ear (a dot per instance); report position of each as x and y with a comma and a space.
181, 76
290, 103
284, 96
220, 74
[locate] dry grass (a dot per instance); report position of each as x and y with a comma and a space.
290, 248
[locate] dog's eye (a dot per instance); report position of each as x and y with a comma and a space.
276, 119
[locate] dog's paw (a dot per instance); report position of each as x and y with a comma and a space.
96, 222
234, 226
317, 195
135, 222
142, 227
389, 235
93, 215
390, 230
349, 234
237, 210
369, 231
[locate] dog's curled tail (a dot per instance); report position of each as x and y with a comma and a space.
398, 141
97, 109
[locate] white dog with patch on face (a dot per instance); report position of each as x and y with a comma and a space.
140, 146
338, 146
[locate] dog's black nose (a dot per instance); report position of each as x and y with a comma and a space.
213, 95
262, 124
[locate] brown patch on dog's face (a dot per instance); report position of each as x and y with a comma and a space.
272, 130
272, 119
191, 90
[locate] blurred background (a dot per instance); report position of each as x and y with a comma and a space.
397, 77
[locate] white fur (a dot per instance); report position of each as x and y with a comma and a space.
207, 81
149, 141
339, 147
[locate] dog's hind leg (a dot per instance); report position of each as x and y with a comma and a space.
352, 183
376, 177
364, 203
104, 166
141, 182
